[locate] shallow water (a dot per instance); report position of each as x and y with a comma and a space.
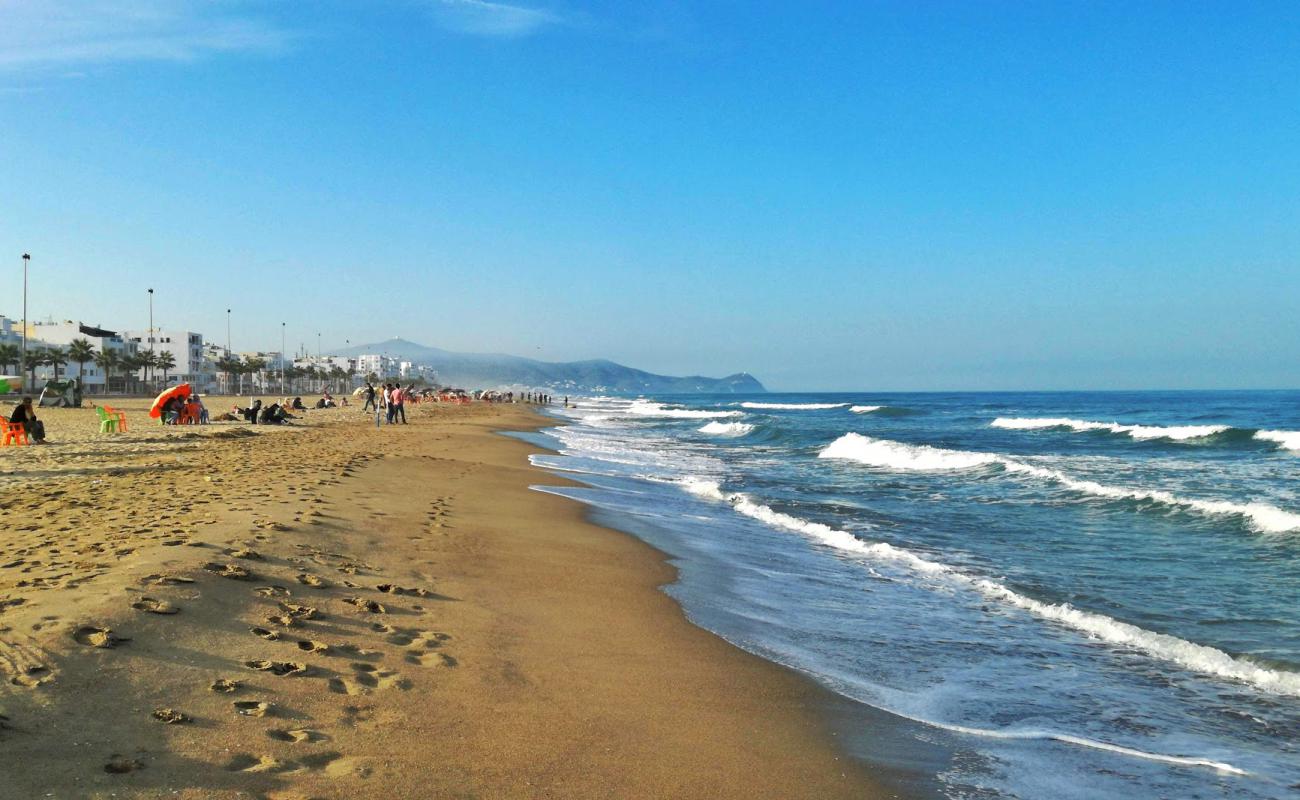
1069, 595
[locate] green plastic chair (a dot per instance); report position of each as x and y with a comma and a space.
107, 424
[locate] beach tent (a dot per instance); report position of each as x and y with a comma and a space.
61, 394
179, 390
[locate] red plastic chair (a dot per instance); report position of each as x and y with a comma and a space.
14, 433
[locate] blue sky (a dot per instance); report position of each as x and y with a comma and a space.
865, 195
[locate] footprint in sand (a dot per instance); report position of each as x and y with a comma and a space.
232, 571
431, 660
244, 553
170, 716
299, 612
366, 605
92, 636
165, 580
268, 635
253, 708
119, 765
374, 677
154, 606
225, 685
312, 580
281, 668
297, 735
313, 647
272, 591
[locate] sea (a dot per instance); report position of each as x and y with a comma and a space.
1014, 595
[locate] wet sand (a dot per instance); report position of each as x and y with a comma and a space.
329, 610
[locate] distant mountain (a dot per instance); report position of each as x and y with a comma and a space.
485, 370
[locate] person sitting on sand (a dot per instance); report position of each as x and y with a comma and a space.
25, 415
250, 414
297, 405
171, 410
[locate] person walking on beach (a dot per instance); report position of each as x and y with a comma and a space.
370, 398
25, 415
399, 404
388, 403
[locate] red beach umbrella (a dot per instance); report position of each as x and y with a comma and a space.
179, 390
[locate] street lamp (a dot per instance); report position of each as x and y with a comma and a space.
150, 326
227, 350
282, 359
26, 258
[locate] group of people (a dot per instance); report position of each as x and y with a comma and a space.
178, 410
274, 414
391, 399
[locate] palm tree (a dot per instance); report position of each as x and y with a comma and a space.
255, 366
10, 355
35, 358
229, 366
148, 362
131, 365
107, 360
55, 357
166, 362
79, 352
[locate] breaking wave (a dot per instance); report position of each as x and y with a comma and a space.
727, 428
646, 408
923, 458
1177, 433
865, 409
794, 406
1289, 440
1196, 657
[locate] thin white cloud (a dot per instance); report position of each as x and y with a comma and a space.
58, 33
484, 18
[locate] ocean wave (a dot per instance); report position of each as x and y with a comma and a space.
1177, 433
896, 455
865, 409
727, 428
795, 406
1289, 440
923, 458
646, 408
1190, 655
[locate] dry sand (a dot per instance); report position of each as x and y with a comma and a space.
333, 611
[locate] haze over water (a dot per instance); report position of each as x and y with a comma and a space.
1078, 595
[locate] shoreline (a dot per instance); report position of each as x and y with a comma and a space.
466, 634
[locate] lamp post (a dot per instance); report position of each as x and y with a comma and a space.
281, 359
26, 259
227, 349
150, 327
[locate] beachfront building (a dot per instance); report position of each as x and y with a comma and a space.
379, 365
47, 335
265, 380
186, 349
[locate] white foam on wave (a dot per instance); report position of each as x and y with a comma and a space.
1289, 440
1178, 433
923, 458
727, 428
795, 406
1195, 657
865, 409
896, 455
646, 408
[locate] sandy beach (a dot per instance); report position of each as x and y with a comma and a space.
330, 610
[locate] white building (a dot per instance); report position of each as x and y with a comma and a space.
186, 348
45, 335
380, 365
